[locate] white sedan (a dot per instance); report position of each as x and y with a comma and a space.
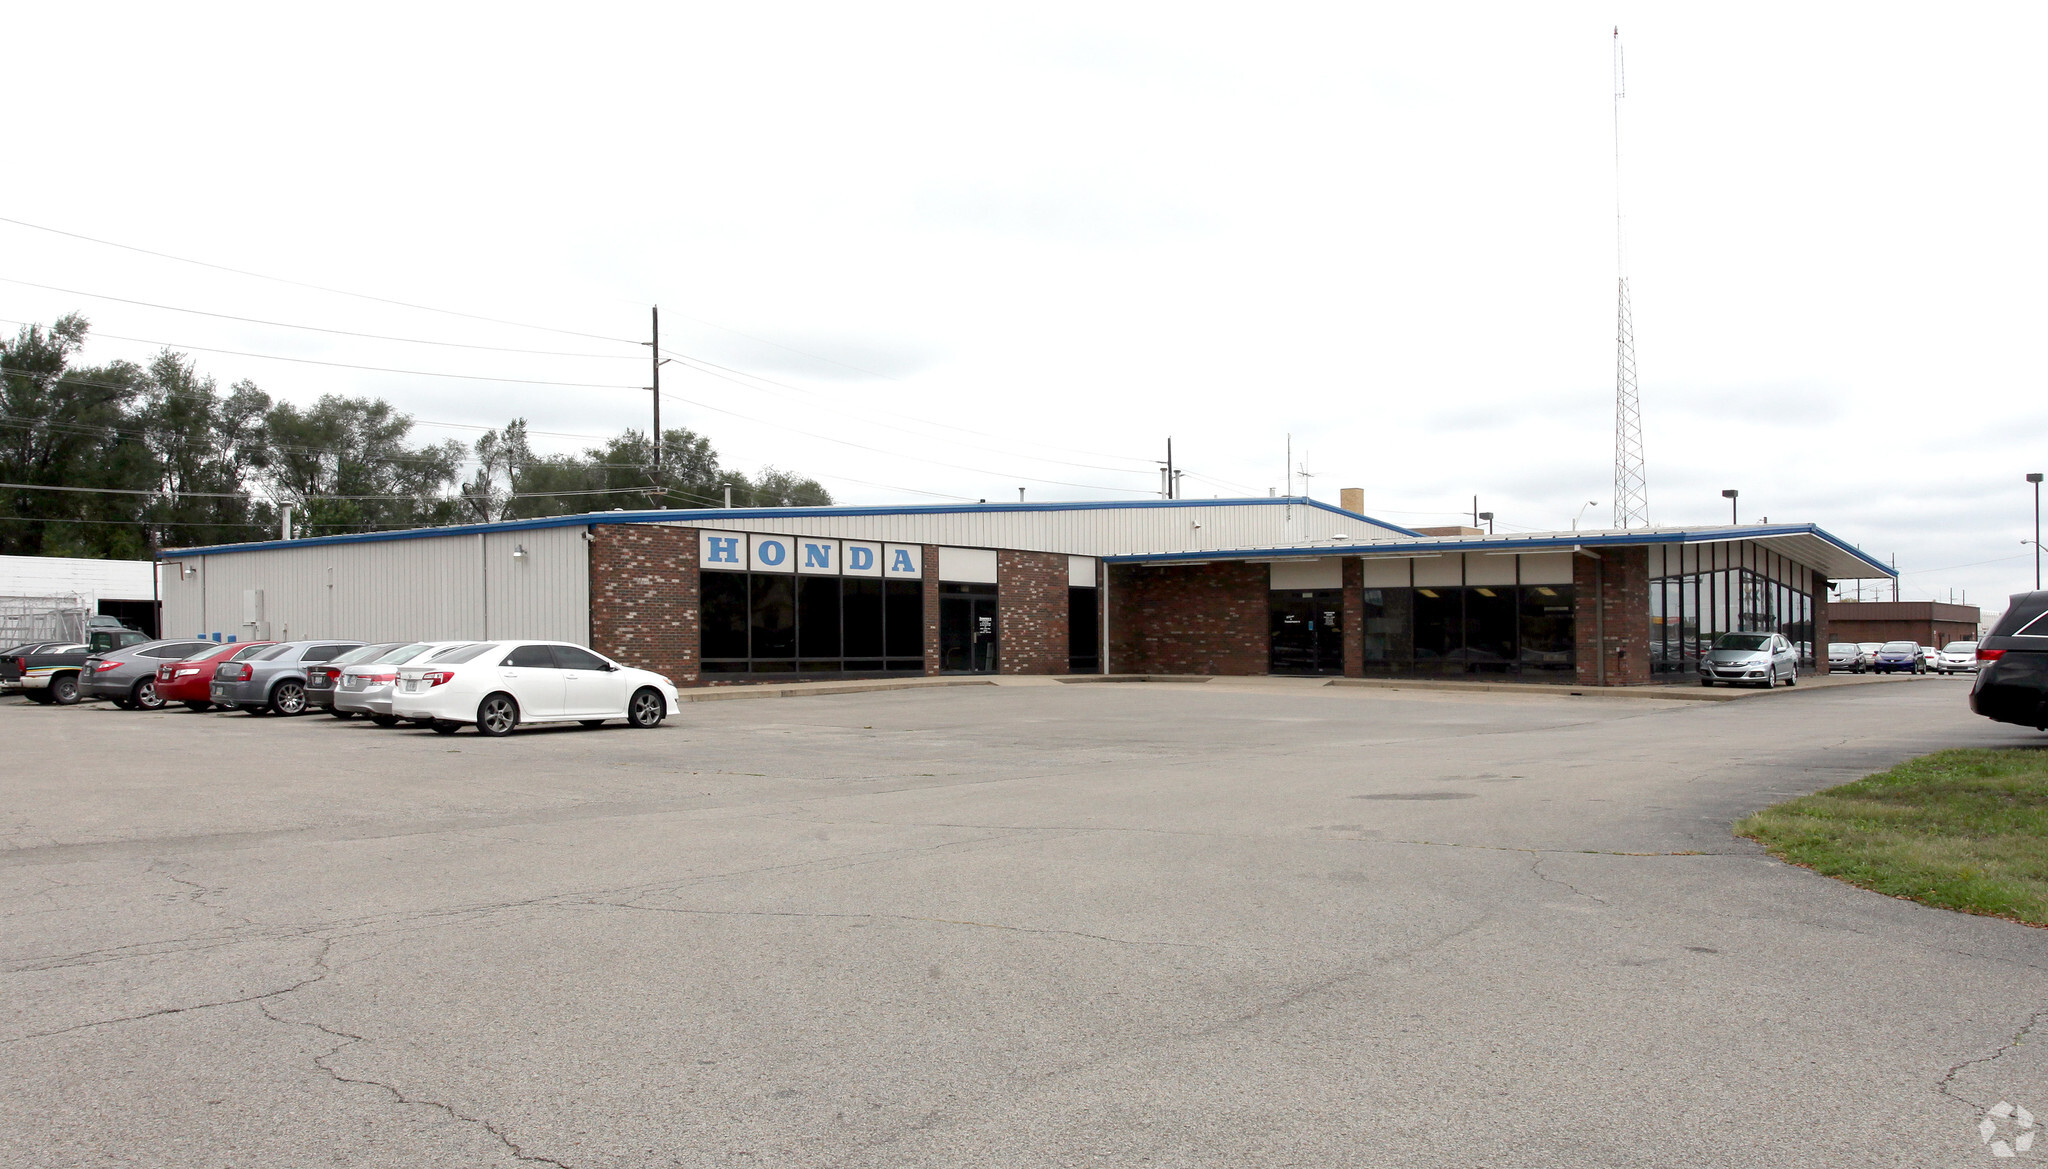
497, 685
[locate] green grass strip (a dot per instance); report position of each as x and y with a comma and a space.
1963, 829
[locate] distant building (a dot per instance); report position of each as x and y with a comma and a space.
50, 597
1934, 623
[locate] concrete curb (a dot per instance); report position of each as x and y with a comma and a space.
1075, 680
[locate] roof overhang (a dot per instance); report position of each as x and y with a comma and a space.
1808, 544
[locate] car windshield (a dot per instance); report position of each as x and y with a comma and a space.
1960, 647
1842, 647
400, 655
248, 652
1745, 641
1900, 647
463, 653
270, 652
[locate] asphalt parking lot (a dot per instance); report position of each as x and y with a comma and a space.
1103, 925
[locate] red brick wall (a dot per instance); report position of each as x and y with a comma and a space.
1354, 618
644, 598
931, 609
1031, 613
1619, 582
1189, 619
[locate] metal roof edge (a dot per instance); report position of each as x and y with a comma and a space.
695, 516
1359, 515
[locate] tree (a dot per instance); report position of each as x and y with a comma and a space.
345, 463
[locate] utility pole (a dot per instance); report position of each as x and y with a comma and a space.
2034, 477
654, 358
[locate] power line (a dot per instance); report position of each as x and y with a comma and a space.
316, 287
470, 377
317, 328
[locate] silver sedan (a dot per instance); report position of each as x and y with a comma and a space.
365, 687
1750, 659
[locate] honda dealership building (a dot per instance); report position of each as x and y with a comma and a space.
1214, 587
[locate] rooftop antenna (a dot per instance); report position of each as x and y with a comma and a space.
1631, 483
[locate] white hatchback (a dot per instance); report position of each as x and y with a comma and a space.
498, 685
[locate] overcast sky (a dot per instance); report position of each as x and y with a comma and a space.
986, 249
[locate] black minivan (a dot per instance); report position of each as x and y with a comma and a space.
2012, 665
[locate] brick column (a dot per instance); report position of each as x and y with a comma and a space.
1031, 613
1354, 616
1611, 599
644, 596
931, 608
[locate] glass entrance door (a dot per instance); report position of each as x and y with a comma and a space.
1308, 632
967, 630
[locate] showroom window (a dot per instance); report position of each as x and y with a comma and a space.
781, 623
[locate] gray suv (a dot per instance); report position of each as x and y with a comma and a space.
127, 677
274, 681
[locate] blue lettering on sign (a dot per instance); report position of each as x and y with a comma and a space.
724, 549
860, 559
902, 563
817, 556
771, 552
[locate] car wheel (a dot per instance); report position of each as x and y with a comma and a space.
497, 715
199, 707
1792, 679
389, 720
64, 690
444, 727
647, 708
145, 697
289, 698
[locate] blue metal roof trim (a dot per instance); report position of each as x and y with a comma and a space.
1513, 543
698, 515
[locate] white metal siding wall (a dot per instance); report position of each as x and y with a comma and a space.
388, 590
64, 576
1091, 532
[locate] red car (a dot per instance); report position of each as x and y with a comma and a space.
191, 680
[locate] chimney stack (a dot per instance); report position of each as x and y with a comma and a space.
1352, 499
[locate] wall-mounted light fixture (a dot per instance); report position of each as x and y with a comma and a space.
519, 552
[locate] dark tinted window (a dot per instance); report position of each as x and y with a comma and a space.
271, 653
571, 657
725, 614
321, 653
463, 653
530, 656
176, 649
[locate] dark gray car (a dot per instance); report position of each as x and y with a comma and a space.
274, 681
127, 677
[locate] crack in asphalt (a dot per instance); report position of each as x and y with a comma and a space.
319, 964
350, 1039
1536, 869
1946, 1085
986, 925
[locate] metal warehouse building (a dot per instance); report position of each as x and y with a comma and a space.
1245, 586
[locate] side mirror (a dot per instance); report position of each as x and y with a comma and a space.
611, 667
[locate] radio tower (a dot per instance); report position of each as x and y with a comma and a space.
1631, 484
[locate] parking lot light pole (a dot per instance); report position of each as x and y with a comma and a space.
2035, 479
1730, 495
